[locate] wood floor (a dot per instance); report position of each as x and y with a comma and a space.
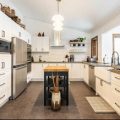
30, 105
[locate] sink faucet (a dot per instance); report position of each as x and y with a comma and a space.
113, 61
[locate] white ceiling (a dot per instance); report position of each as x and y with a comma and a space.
79, 14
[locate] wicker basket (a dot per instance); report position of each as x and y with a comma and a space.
22, 25
0, 7
16, 19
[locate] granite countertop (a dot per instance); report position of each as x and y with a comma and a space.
89, 63
115, 71
57, 62
98, 64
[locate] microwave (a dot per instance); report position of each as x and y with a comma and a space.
5, 47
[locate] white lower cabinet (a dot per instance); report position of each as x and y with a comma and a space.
37, 73
103, 73
5, 86
103, 89
115, 87
75, 70
110, 91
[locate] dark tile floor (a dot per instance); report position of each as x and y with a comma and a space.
30, 105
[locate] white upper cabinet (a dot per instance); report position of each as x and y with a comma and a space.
5, 27
40, 44
9, 29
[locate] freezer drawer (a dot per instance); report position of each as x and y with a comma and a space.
19, 82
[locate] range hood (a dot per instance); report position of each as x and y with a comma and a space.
57, 40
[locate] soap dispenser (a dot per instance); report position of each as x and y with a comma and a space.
105, 59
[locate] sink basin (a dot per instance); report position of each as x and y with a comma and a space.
117, 67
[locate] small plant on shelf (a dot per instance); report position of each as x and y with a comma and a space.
81, 39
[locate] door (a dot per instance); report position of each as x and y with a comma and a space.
24, 52
94, 47
19, 51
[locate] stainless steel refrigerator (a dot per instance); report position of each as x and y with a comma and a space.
19, 66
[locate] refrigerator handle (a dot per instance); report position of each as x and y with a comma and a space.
12, 48
21, 67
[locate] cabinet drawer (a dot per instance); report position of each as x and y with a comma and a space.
116, 91
116, 103
3, 88
115, 79
103, 73
3, 97
5, 61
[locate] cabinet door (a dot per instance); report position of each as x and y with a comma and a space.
5, 61
34, 44
5, 27
37, 71
40, 44
86, 73
45, 44
76, 71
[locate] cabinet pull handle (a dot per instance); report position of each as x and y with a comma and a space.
101, 82
117, 90
2, 84
2, 74
117, 105
3, 33
117, 78
2, 97
3, 65
19, 34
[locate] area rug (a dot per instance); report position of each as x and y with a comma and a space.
99, 105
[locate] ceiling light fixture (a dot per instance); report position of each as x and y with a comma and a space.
58, 19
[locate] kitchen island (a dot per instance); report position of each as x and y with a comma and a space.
62, 72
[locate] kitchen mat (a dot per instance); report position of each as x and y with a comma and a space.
99, 105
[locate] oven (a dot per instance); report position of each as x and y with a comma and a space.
29, 52
29, 58
28, 67
5, 47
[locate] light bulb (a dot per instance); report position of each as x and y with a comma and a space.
58, 28
57, 24
57, 17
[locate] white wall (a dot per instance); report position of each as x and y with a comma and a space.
56, 54
105, 44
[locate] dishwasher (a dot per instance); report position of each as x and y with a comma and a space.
92, 77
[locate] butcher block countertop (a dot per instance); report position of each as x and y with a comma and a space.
56, 69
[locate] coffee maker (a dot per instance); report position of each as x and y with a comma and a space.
71, 58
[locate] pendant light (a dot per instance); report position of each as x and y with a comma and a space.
58, 19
